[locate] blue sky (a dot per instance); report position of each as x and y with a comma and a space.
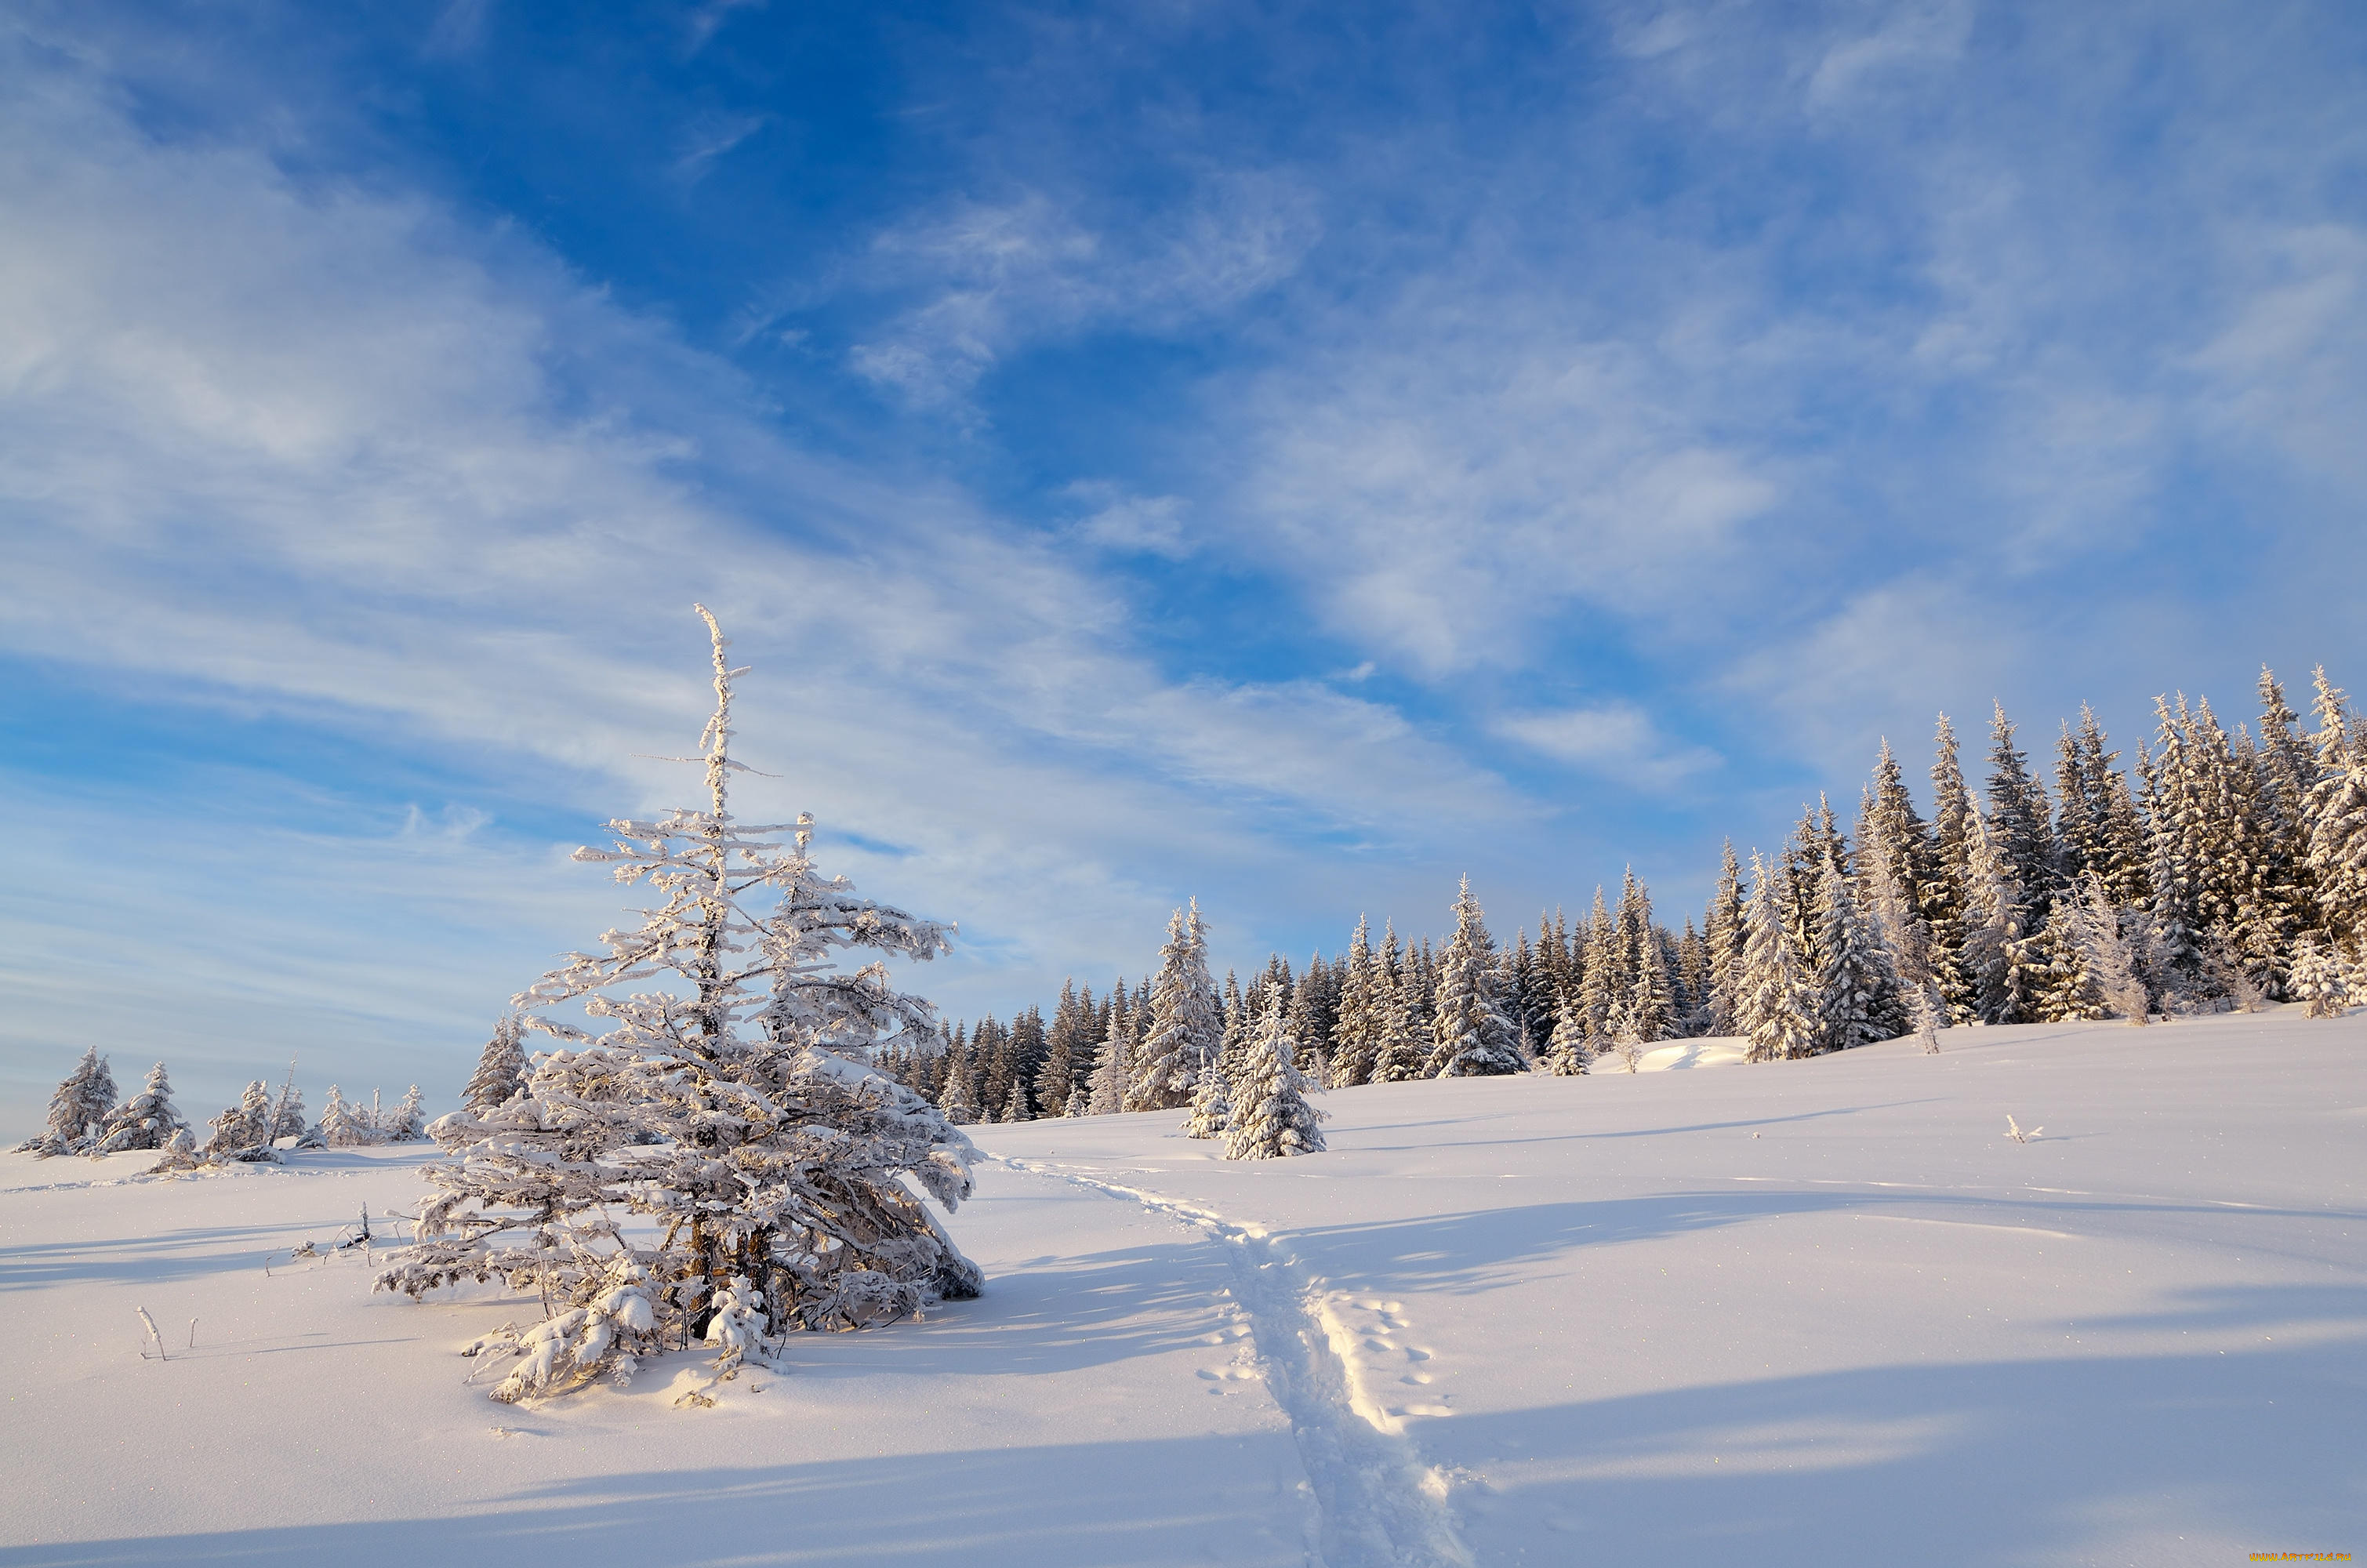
1289, 455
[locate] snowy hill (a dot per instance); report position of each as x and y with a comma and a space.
1813, 1312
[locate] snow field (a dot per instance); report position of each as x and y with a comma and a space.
1803, 1313
1825, 1311
1060, 1421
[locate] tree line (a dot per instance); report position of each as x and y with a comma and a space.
2220, 870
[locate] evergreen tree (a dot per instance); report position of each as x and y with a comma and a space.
408, 1123
1362, 1016
714, 1129
1857, 991
1212, 1106
146, 1121
1271, 1117
1068, 1049
79, 1108
1694, 977
1186, 1031
1471, 1036
2018, 821
1648, 1011
2338, 852
1567, 1053
287, 1111
1403, 1052
1779, 1004
1947, 892
1314, 1006
344, 1124
243, 1129
2318, 981
2001, 956
500, 1068
1726, 934
959, 1098
1019, 1106
1113, 1073
1606, 983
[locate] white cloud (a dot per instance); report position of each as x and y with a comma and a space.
1118, 520
1614, 740
991, 277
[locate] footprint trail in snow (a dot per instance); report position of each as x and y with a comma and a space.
1343, 1374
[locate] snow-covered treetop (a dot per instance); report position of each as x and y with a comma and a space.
748, 922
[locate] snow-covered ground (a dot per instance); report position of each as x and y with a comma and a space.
1822, 1311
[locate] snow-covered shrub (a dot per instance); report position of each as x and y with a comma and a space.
721, 1110
146, 1121
572, 1348
79, 1108
736, 1326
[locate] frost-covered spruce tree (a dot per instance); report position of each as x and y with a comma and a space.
1212, 1105
2318, 982
1186, 1030
346, 1124
1403, 1052
78, 1108
243, 1129
1271, 1117
1780, 1000
1356, 1028
146, 1121
407, 1124
1568, 1055
2108, 959
2338, 851
1725, 932
1105, 1093
1470, 1036
711, 1129
500, 1068
1857, 990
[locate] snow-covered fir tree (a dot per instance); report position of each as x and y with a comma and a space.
1112, 1068
79, 1107
1471, 1036
344, 1124
1568, 1053
146, 1121
1779, 1007
1186, 1028
1857, 989
244, 1127
1403, 1053
1726, 933
1361, 1015
501, 1067
1212, 1106
407, 1122
2318, 982
714, 1129
1945, 896
1269, 1115
2338, 852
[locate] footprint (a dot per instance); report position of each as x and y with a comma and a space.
1415, 1378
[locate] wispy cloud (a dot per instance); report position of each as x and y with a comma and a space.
1615, 740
